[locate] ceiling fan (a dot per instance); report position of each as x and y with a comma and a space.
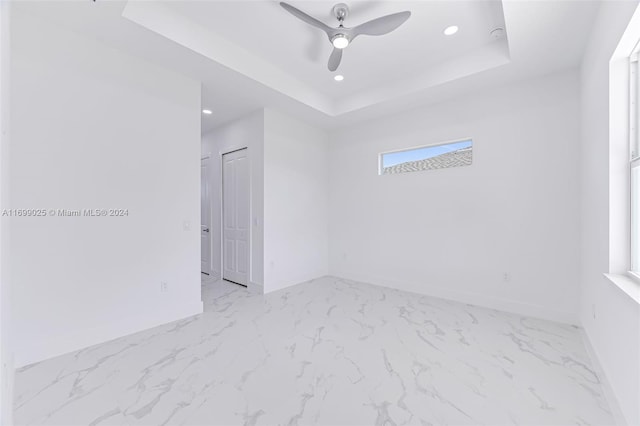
341, 36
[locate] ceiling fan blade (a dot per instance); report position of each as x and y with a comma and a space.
334, 59
381, 26
306, 18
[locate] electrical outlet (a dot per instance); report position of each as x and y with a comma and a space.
186, 225
506, 277
164, 287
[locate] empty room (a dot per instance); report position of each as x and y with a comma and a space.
262, 212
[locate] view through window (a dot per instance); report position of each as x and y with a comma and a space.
444, 155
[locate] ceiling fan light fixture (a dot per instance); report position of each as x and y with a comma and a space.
340, 41
340, 37
338, 77
451, 30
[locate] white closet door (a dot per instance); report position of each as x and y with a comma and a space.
235, 220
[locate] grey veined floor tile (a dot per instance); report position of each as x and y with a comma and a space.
326, 352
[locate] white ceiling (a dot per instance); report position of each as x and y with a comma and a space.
233, 48
266, 30
246, 37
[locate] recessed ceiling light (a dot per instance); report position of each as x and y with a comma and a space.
340, 41
206, 111
338, 77
451, 30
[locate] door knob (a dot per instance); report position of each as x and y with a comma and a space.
206, 229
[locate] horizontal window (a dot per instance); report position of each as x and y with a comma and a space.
439, 156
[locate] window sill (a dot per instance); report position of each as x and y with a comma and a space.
627, 284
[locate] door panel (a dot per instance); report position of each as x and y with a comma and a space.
235, 198
229, 247
241, 249
205, 218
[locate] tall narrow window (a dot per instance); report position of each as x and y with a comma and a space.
634, 151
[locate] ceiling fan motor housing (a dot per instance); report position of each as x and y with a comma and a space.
341, 11
342, 36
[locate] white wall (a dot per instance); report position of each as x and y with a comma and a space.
95, 128
295, 201
455, 233
610, 317
289, 200
247, 131
6, 352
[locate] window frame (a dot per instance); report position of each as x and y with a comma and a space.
433, 145
634, 163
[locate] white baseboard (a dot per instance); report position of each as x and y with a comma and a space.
280, 285
476, 299
47, 348
255, 288
212, 275
604, 382
6, 395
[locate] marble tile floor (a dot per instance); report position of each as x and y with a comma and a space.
325, 352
